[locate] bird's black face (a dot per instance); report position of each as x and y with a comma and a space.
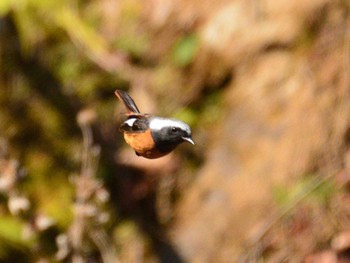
168, 133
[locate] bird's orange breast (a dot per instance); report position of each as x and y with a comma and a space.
143, 144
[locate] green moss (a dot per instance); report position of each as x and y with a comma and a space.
59, 205
11, 235
48, 187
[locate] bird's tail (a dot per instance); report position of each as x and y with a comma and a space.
131, 108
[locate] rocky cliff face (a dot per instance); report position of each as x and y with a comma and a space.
285, 116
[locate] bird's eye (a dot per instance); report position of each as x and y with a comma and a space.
174, 129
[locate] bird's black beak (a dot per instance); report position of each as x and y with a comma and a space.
188, 139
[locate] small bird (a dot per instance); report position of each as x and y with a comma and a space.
151, 136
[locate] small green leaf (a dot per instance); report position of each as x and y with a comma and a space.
185, 50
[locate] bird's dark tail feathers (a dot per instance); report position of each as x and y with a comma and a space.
131, 108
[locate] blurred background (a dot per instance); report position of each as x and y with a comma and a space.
264, 86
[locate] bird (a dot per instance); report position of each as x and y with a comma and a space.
151, 136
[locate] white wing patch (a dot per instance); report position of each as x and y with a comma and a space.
130, 122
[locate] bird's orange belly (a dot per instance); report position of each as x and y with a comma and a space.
143, 144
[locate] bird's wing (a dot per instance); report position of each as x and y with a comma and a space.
136, 123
